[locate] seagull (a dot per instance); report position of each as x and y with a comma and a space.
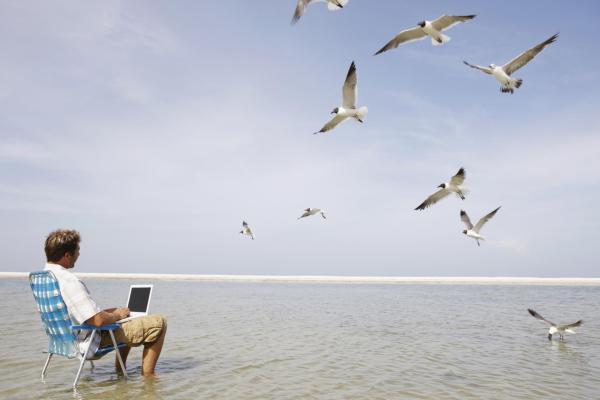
454, 186
503, 73
473, 231
556, 329
312, 211
348, 108
423, 29
246, 230
333, 5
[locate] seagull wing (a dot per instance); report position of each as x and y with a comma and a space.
434, 198
538, 316
349, 91
485, 219
479, 67
459, 178
465, 218
573, 325
332, 123
448, 21
528, 55
300, 8
406, 36
244, 224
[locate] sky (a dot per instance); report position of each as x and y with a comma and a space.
154, 128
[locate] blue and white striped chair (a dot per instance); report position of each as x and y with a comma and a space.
58, 326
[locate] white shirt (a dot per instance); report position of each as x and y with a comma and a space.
80, 304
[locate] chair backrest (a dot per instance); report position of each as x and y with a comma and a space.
54, 314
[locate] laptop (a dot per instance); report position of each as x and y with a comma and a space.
138, 301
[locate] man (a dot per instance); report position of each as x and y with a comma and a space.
62, 252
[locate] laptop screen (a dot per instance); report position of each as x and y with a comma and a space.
138, 299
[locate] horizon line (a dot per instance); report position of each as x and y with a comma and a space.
336, 279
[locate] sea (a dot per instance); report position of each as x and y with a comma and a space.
298, 340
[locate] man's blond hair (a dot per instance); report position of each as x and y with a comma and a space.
60, 242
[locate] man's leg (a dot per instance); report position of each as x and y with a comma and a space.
152, 352
148, 331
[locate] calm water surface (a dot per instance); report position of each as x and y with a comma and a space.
304, 341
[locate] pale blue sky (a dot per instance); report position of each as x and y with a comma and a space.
155, 128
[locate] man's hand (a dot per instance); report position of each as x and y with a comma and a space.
121, 313
108, 317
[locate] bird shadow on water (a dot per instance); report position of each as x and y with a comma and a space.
570, 351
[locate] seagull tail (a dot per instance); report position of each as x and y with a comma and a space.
360, 114
336, 5
441, 40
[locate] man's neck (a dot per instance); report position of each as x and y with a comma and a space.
61, 263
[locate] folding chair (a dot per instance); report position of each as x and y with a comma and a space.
58, 327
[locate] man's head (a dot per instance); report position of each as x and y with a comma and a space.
62, 247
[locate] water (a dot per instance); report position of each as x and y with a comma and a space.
308, 341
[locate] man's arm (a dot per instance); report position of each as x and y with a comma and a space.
108, 317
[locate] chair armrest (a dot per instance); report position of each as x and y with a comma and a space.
109, 327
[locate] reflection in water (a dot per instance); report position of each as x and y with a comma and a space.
169, 364
570, 351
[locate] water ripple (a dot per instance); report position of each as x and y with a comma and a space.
286, 341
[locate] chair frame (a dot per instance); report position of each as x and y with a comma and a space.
95, 330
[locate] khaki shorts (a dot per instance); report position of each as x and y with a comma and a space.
138, 331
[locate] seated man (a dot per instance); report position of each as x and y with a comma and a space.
62, 251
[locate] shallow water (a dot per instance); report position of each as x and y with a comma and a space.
305, 341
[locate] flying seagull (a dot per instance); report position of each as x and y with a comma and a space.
312, 211
333, 5
454, 186
423, 29
348, 108
473, 231
246, 231
556, 329
503, 73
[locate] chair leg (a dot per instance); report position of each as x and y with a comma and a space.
46, 365
112, 336
83, 359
